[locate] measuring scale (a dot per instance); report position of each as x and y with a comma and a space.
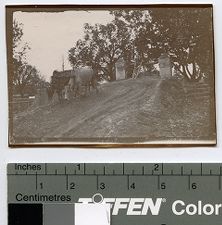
138, 193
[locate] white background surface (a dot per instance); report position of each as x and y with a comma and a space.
98, 214
198, 154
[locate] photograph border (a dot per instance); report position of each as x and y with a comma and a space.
10, 9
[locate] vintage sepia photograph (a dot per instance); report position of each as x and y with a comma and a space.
139, 75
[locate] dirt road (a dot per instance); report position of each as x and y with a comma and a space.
108, 113
122, 111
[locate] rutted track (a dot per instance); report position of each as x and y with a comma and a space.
96, 115
93, 122
144, 109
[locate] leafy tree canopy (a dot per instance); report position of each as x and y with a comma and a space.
140, 36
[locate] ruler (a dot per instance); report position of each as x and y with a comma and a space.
140, 193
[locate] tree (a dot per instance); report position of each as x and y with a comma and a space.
186, 34
25, 76
102, 46
142, 39
28, 81
84, 53
19, 48
142, 35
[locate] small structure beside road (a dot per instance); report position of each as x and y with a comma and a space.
165, 66
120, 69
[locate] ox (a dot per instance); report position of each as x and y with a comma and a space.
68, 82
83, 77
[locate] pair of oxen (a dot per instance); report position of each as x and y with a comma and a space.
70, 83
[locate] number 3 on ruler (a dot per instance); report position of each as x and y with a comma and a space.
102, 186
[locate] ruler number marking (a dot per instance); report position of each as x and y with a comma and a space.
72, 186
102, 186
191, 185
194, 186
41, 185
132, 186
163, 185
156, 167
78, 166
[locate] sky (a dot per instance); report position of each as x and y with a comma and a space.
51, 35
